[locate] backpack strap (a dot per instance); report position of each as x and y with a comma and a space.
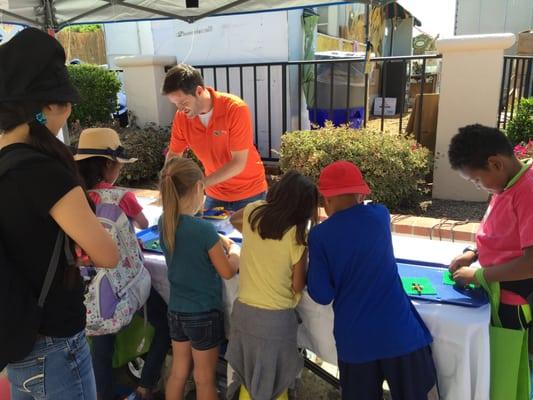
110, 196
13, 160
52, 268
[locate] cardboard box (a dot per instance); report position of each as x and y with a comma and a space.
390, 106
525, 43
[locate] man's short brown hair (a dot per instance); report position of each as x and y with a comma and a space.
182, 77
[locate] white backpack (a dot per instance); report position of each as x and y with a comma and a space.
114, 295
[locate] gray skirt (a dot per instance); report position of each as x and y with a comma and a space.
263, 351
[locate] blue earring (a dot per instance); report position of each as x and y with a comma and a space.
41, 118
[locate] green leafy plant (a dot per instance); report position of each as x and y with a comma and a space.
393, 165
98, 88
520, 127
147, 144
84, 28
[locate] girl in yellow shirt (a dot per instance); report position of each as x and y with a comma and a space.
272, 275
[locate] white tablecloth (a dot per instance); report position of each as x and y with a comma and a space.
460, 334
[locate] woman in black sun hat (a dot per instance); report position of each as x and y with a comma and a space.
42, 316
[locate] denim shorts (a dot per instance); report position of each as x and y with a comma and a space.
205, 330
56, 369
211, 202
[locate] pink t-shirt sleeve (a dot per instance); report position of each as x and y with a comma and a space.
130, 205
94, 197
524, 210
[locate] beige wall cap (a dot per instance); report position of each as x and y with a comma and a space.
476, 42
142, 61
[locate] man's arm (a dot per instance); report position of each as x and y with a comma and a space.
232, 168
178, 143
171, 154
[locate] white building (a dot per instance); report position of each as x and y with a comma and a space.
493, 16
252, 38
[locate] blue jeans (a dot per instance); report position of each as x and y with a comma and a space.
103, 347
232, 205
56, 369
205, 330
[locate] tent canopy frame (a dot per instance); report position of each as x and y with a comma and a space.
46, 16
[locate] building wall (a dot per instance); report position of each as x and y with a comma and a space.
402, 39
128, 39
493, 16
250, 38
224, 40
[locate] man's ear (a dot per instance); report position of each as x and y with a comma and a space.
199, 90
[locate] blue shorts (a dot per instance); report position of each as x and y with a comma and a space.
205, 330
211, 202
410, 377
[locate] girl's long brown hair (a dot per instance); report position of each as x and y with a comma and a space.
293, 201
178, 177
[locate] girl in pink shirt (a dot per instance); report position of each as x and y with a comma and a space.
100, 158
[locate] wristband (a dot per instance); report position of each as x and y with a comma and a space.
473, 250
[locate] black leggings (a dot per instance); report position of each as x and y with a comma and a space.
513, 317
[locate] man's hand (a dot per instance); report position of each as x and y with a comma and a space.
466, 276
232, 168
170, 154
464, 260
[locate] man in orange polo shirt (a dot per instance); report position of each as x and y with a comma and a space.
217, 127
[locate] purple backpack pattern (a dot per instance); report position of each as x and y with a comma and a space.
114, 295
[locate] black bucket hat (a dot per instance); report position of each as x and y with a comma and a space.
32, 68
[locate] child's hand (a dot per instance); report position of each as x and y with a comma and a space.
464, 260
82, 259
226, 242
466, 276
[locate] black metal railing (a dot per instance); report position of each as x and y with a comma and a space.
275, 92
517, 83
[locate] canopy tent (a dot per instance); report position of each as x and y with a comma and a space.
397, 11
56, 14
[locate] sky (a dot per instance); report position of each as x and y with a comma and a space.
437, 16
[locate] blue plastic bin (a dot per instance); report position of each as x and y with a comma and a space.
319, 116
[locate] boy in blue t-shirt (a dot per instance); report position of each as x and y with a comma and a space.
378, 333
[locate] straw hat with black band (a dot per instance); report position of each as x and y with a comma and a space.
101, 142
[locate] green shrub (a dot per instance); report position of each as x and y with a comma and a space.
98, 88
393, 165
520, 127
147, 144
83, 28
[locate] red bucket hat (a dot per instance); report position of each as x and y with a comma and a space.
342, 177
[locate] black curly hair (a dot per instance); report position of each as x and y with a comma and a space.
474, 144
